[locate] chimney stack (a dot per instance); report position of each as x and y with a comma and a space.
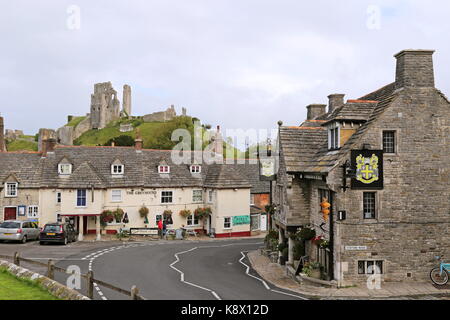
218, 142
138, 141
315, 111
335, 100
414, 69
48, 146
2, 136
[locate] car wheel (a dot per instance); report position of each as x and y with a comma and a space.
24, 239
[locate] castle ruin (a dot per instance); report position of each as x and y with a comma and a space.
105, 107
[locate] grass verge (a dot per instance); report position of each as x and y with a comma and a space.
14, 288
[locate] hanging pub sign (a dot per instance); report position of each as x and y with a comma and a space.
267, 169
367, 166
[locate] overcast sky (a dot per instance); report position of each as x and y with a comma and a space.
240, 64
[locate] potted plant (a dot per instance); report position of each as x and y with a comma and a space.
143, 211
185, 213
312, 270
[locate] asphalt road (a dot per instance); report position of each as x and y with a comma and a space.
179, 270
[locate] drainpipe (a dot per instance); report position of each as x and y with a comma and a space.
331, 264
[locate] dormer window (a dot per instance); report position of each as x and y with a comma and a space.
64, 168
163, 169
117, 169
11, 189
333, 136
196, 168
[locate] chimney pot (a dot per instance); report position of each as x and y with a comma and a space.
335, 100
315, 111
414, 69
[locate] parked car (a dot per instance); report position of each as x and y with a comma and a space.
18, 230
58, 232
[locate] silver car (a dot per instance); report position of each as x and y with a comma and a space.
19, 230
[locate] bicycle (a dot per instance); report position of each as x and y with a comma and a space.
440, 275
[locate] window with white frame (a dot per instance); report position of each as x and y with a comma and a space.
64, 168
11, 189
192, 220
117, 169
196, 168
33, 212
163, 169
116, 195
227, 222
197, 195
58, 197
333, 136
81, 198
166, 196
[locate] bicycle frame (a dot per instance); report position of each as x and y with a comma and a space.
444, 266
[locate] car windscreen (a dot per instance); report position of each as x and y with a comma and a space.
10, 225
51, 228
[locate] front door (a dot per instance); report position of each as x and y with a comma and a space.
10, 214
85, 225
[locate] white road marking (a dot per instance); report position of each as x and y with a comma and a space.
264, 282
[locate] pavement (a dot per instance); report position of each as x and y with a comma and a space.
277, 275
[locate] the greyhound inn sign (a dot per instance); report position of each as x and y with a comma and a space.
367, 166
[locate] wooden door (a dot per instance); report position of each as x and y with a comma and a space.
85, 225
10, 214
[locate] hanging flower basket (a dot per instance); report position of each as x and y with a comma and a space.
143, 211
185, 213
106, 217
202, 213
118, 214
167, 213
306, 234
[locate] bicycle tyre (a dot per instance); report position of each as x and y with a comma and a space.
437, 279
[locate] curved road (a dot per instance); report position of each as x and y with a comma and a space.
174, 270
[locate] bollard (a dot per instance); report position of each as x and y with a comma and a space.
134, 293
90, 285
16, 259
51, 269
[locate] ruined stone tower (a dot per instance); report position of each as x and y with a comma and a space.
126, 100
105, 107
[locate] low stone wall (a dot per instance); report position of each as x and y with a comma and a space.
55, 288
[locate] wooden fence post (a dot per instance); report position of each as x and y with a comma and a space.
51, 269
90, 285
16, 259
134, 293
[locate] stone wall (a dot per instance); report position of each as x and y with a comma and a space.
55, 288
161, 116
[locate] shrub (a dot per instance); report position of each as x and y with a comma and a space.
285, 253
282, 246
272, 234
123, 140
299, 250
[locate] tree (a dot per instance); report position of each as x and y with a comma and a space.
123, 141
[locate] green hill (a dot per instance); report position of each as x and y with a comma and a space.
21, 145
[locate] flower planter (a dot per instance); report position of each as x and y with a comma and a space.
315, 274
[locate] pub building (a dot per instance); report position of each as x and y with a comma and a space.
371, 177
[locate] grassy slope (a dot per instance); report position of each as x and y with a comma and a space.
18, 145
12, 288
75, 121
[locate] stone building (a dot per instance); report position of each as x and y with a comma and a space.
105, 107
78, 183
382, 163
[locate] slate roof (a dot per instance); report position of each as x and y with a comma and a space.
305, 148
91, 166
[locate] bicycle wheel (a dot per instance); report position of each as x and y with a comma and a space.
439, 278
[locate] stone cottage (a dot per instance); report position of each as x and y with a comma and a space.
382, 163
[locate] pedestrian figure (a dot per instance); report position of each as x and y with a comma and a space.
160, 228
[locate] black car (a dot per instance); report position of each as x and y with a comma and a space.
57, 232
